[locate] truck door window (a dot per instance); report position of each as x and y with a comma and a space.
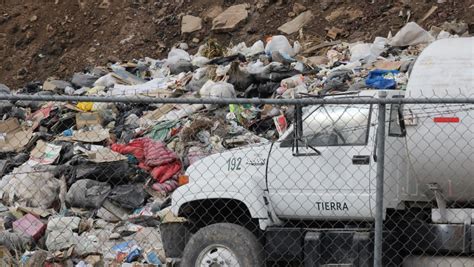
337, 125
397, 123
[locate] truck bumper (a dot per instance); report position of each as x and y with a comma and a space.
174, 236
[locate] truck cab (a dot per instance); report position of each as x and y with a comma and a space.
322, 169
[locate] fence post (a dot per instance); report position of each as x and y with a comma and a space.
380, 180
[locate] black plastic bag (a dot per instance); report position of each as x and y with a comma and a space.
87, 194
130, 196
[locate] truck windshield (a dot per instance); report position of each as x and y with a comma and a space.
333, 125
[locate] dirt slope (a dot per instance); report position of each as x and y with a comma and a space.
43, 38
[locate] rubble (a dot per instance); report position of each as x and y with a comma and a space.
190, 24
92, 179
230, 19
297, 23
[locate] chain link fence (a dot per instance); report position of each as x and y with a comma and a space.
93, 181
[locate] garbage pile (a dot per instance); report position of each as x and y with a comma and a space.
87, 182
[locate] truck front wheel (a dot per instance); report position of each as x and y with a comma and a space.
223, 244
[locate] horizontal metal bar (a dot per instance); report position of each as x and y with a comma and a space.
225, 101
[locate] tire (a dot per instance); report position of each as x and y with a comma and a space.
240, 241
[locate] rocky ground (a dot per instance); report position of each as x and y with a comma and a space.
39, 39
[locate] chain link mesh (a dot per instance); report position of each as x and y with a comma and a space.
235, 184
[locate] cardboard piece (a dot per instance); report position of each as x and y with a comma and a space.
45, 153
104, 154
159, 112
93, 136
281, 124
35, 211
12, 137
87, 119
387, 65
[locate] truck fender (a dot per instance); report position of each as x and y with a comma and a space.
253, 201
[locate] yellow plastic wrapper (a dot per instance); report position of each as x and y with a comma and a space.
85, 106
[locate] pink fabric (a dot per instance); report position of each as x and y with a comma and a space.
135, 147
157, 154
153, 156
166, 187
165, 172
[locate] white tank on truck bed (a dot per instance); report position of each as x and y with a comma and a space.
440, 147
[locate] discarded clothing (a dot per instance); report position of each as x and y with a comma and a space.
153, 156
166, 187
165, 172
162, 130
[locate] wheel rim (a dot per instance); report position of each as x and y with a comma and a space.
217, 256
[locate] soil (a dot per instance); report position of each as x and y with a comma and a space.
40, 39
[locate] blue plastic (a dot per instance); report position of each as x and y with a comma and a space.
152, 258
68, 132
133, 255
376, 79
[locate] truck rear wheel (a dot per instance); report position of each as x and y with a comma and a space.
223, 244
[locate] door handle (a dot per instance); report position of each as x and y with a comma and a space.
361, 160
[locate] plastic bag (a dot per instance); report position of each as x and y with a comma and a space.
87, 194
378, 79
176, 55
281, 44
31, 183
128, 196
411, 34
368, 52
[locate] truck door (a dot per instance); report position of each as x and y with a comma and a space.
326, 174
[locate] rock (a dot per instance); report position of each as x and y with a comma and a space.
92, 50
33, 18
190, 24
183, 46
298, 8
113, 59
195, 40
325, 4
334, 32
230, 19
212, 12
291, 14
105, 4
297, 23
344, 13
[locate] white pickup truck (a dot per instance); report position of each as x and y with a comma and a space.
310, 196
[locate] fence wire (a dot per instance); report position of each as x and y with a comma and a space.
93, 181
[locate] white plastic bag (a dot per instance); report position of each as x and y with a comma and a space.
200, 61
281, 44
368, 52
411, 34
217, 90
176, 55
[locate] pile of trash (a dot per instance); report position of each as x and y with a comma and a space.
88, 182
